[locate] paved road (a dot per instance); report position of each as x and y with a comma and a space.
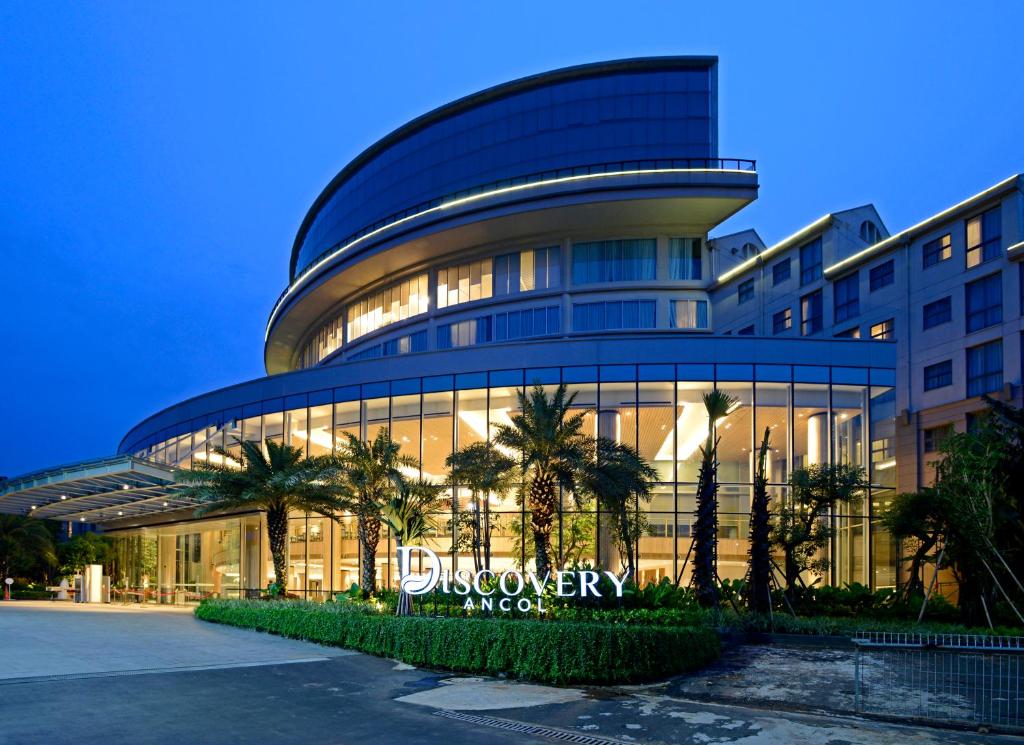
345, 698
59, 638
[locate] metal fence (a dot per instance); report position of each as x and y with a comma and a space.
949, 678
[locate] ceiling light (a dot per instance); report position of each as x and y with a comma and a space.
63, 496
119, 512
81, 519
165, 504
33, 506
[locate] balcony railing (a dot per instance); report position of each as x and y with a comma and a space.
622, 166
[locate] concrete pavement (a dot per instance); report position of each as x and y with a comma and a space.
262, 689
43, 638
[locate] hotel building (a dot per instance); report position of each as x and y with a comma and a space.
561, 229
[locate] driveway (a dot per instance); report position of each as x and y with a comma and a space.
57, 639
73, 674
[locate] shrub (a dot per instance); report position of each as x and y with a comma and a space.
561, 653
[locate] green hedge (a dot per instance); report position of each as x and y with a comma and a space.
563, 652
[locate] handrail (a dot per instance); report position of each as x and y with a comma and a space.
711, 164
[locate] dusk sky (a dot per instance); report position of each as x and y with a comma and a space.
157, 159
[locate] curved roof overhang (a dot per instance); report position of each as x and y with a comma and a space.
576, 72
628, 203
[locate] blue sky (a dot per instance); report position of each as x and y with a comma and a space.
157, 159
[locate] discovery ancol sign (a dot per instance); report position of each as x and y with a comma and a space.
512, 583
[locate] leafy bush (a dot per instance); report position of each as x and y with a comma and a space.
564, 652
839, 626
859, 601
30, 595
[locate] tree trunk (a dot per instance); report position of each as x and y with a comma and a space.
277, 528
792, 574
705, 535
477, 534
759, 593
543, 506
916, 582
487, 531
369, 537
404, 604
627, 535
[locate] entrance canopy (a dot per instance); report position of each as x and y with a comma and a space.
94, 491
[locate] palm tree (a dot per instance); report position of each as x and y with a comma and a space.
24, 543
484, 470
553, 451
760, 597
407, 513
277, 480
374, 473
705, 526
620, 479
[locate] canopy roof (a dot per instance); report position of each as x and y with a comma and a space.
94, 491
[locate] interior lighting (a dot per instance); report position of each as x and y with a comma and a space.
308, 273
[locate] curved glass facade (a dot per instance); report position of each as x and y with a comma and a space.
433, 329
596, 118
515, 277
815, 414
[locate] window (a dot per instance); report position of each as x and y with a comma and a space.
938, 375
882, 275
810, 313
938, 312
850, 333
983, 237
780, 271
627, 314
883, 329
416, 342
613, 261
985, 368
935, 436
396, 303
847, 297
684, 258
524, 271
746, 331
974, 419
324, 342
521, 324
869, 232
782, 321
748, 250
745, 291
937, 251
514, 324
689, 314
508, 280
406, 344
984, 302
547, 268
464, 282
810, 262
464, 333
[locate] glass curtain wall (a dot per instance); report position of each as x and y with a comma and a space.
819, 417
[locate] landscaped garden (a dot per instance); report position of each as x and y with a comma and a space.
968, 524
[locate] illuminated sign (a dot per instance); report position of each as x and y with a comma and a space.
511, 583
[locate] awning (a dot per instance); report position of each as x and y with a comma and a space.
94, 491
